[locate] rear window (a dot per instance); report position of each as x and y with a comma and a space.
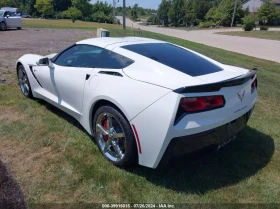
175, 57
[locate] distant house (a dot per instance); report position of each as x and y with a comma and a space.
254, 5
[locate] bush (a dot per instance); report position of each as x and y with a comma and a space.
249, 22
206, 24
263, 27
61, 15
73, 13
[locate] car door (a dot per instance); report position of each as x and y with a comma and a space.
9, 20
70, 72
16, 20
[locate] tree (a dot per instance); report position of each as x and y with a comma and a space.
197, 9
45, 7
84, 6
222, 14
62, 5
267, 12
278, 14
73, 13
102, 12
177, 11
10, 3
133, 12
4, 3
163, 11
153, 20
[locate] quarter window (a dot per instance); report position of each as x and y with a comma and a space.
112, 60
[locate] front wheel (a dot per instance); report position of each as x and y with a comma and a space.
3, 26
114, 137
19, 28
24, 82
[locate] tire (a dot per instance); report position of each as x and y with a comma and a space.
19, 28
126, 142
24, 82
3, 26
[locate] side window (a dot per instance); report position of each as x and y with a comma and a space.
112, 60
79, 56
6, 13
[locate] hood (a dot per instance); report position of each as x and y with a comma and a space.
51, 55
170, 78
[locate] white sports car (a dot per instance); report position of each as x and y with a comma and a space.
144, 100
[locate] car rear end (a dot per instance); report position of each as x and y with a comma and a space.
212, 107
186, 121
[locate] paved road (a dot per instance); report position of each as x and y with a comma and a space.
265, 49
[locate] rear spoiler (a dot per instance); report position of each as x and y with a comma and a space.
217, 86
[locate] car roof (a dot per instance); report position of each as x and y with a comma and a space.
105, 41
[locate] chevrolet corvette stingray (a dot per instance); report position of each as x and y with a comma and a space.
143, 100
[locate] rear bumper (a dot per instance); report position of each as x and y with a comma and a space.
218, 136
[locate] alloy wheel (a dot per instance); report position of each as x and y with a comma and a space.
110, 137
23, 81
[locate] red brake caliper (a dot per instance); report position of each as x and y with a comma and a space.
105, 126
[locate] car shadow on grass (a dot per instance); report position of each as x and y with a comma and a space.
207, 170
63, 115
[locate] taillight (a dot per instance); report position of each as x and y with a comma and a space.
197, 104
254, 85
193, 104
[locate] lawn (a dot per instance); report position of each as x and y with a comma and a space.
271, 35
55, 161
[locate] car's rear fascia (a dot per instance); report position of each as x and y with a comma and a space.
156, 128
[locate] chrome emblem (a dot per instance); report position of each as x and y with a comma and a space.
241, 97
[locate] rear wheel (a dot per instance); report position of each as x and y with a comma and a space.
24, 82
3, 26
19, 28
114, 137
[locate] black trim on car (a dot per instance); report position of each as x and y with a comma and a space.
31, 70
87, 76
212, 87
214, 137
110, 73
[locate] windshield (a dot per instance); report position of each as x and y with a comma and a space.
1, 13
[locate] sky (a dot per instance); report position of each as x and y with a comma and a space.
153, 4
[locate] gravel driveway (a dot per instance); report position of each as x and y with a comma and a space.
15, 43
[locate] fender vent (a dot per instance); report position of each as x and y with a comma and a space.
111, 73
31, 69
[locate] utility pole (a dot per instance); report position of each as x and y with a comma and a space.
234, 12
124, 14
114, 11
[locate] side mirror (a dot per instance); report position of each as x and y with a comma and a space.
7, 16
43, 62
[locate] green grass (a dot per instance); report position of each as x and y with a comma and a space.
144, 16
271, 35
55, 161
